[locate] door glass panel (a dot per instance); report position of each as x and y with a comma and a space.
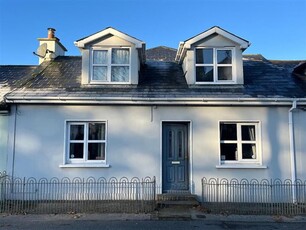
170, 141
180, 144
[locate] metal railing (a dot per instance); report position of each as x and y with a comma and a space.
265, 197
77, 195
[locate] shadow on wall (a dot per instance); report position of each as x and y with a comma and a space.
278, 138
3, 142
133, 148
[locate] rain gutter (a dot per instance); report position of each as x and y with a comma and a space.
155, 101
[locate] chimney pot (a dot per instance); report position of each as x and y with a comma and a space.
51, 33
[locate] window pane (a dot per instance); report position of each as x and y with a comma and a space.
100, 57
120, 73
204, 74
229, 152
99, 73
248, 132
120, 56
228, 132
224, 56
225, 73
96, 131
96, 151
204, 56
248, 151
76, 132
76, 150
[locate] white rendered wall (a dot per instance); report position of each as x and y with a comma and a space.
134, 140
3, 142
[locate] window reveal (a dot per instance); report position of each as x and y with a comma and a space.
214, 64
111, 65
238, 142
87, 141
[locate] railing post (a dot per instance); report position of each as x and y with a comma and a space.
217, 190
154, 188
23, 193
202, 186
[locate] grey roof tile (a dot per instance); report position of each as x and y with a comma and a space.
161, 53
160, 79
13, 77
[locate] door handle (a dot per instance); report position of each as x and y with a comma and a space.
175, 162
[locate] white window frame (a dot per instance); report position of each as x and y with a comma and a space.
239, 142
215, 66
84, 162
109, 65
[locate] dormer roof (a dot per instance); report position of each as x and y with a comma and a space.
81, 43
183, 46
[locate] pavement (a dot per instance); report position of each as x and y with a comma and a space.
194, 213
163, 214
142, 222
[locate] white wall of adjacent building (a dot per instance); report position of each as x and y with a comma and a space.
3, 142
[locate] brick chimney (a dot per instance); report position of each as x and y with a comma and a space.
54, 47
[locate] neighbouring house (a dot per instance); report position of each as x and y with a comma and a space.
212, 112
11, 77
161, 53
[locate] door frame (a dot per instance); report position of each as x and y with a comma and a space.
190, 153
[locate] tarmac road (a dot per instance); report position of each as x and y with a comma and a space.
135, 222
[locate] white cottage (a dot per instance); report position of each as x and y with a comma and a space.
213, 113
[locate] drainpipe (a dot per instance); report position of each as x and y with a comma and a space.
14, 141
292, 151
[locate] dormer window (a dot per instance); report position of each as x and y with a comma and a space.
111, 57
214, 65
110, 65
213, 57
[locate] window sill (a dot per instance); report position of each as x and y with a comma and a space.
85, 165
110, 83
241, 166
216, 83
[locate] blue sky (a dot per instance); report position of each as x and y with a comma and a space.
275, 28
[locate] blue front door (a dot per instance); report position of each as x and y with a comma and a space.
175, 156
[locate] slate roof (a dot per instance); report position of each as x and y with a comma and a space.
12, 77
61, 79
161, 53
